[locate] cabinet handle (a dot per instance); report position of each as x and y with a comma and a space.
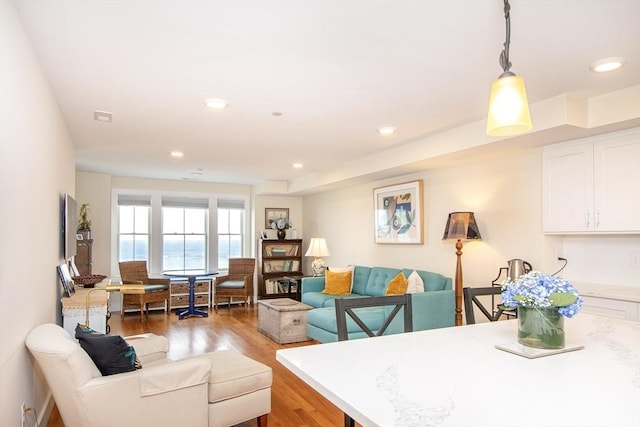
588, 219
597, 219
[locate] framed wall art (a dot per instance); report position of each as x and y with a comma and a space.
274, 214
65, 279
398, 214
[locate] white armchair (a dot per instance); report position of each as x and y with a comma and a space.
196, 391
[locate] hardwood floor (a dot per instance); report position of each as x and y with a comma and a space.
293, 403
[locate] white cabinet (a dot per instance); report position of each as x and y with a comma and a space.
592, 185
628, 310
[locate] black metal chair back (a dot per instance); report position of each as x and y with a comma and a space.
471, 297
346, 306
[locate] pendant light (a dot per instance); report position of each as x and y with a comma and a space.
508, 107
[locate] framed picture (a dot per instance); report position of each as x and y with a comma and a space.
398, 214
274, 214
65, 279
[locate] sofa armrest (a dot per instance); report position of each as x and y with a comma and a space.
159, 281
312, 284
433, 309
174, 376
149, 347
149, 396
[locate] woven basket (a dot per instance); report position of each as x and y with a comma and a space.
89, 280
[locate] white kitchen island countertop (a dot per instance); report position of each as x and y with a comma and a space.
455, 377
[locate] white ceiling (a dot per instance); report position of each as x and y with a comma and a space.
336, 70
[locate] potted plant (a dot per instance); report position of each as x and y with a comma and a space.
84, 223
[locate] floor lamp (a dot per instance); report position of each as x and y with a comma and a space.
125, 289
460, 225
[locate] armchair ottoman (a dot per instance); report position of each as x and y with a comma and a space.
217, 389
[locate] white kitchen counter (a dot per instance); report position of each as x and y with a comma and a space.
622, 293
455, 377
622, 302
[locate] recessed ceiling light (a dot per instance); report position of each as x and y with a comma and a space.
298, 165
607, 64
386, 130
177, 154
102, 116
215, 103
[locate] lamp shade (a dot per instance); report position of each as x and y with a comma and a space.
318, 247
508, 107
461, 225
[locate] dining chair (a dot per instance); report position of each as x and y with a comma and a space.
471, 298
347, 306
153, 289
237, 283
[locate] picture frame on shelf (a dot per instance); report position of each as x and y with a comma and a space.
274, 214
398, 214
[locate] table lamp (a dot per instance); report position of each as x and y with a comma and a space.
460, 225
318, 249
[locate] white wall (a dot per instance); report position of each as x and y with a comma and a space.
505, 194
36, 169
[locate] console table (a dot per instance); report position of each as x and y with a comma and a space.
74, 309
454, 376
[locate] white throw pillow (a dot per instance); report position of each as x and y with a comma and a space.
415, 283
344, 270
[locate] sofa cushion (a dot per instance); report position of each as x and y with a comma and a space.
415, 283
233, 374
360, 279
325, 318
319, 299
110, 353
397, 285
337, 283
432, 281
348, 269
378, 280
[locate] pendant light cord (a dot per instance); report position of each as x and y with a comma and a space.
504, 55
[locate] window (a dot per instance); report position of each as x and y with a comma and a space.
178, 231
230, 231
133, 228
184, 234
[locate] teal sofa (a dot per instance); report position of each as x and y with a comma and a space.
433, 308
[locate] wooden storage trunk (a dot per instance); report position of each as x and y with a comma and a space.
283, 320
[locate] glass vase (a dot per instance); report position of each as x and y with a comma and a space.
540, 327
282, 233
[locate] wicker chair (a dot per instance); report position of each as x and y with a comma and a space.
155, 290
237, 283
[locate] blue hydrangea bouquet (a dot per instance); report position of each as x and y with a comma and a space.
542, 302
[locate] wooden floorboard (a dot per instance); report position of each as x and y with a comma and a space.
293, 403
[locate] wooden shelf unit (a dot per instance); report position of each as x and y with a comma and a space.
277, 260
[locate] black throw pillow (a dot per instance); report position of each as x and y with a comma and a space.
110, 353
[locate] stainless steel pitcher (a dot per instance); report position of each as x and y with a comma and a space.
516, 268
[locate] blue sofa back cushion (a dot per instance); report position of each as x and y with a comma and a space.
432, 281
360, 278
379, 279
